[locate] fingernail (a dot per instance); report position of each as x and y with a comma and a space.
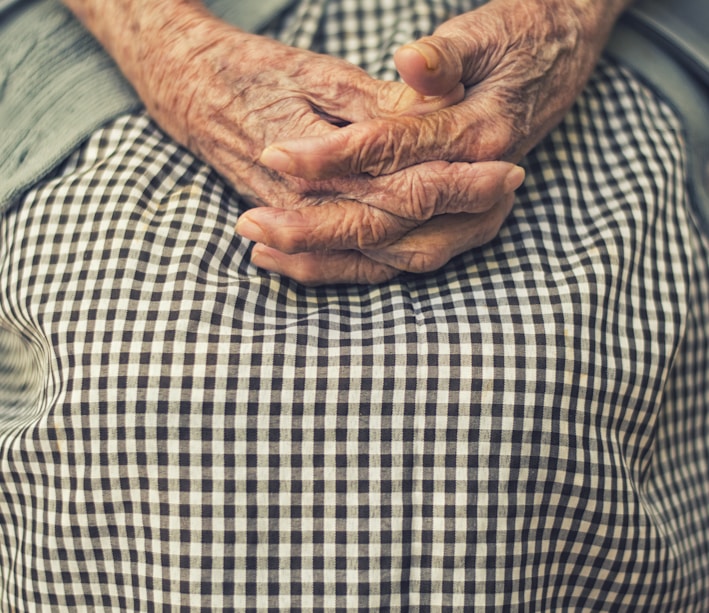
514, 179
429, 54
277, 159
263, 259
248, 229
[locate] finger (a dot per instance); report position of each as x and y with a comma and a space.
432, 245
376, 147
470, 132
367, 98
462, 50
327, 123
396, 99
437, 188
431, 66
323, 268
419, 252
393, 206
333, 226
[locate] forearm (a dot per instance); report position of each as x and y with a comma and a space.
162, 48
146, 37
591, 22
595, 21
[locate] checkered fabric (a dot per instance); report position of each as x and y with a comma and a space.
524, 430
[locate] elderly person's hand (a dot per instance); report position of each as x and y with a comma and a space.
227, 94
448, 214
522, 63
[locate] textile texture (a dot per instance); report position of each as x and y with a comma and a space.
524, 430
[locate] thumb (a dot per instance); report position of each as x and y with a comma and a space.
462, 50
431, 65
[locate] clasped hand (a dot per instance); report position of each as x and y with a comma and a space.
355, 179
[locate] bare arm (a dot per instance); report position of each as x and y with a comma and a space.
227, 94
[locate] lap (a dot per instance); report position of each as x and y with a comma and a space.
199, 432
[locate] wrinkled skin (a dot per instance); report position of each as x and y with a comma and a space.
522, 64
362, 179
227, 95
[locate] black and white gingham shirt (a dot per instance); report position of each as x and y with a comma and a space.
524, 430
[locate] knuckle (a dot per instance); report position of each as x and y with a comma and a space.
383, 149
415, 196
378, 157
423, 197
441, 135
373, 229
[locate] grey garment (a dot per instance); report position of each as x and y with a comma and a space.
57, 85
7, 4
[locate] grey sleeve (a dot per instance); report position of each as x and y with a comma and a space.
6, 4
